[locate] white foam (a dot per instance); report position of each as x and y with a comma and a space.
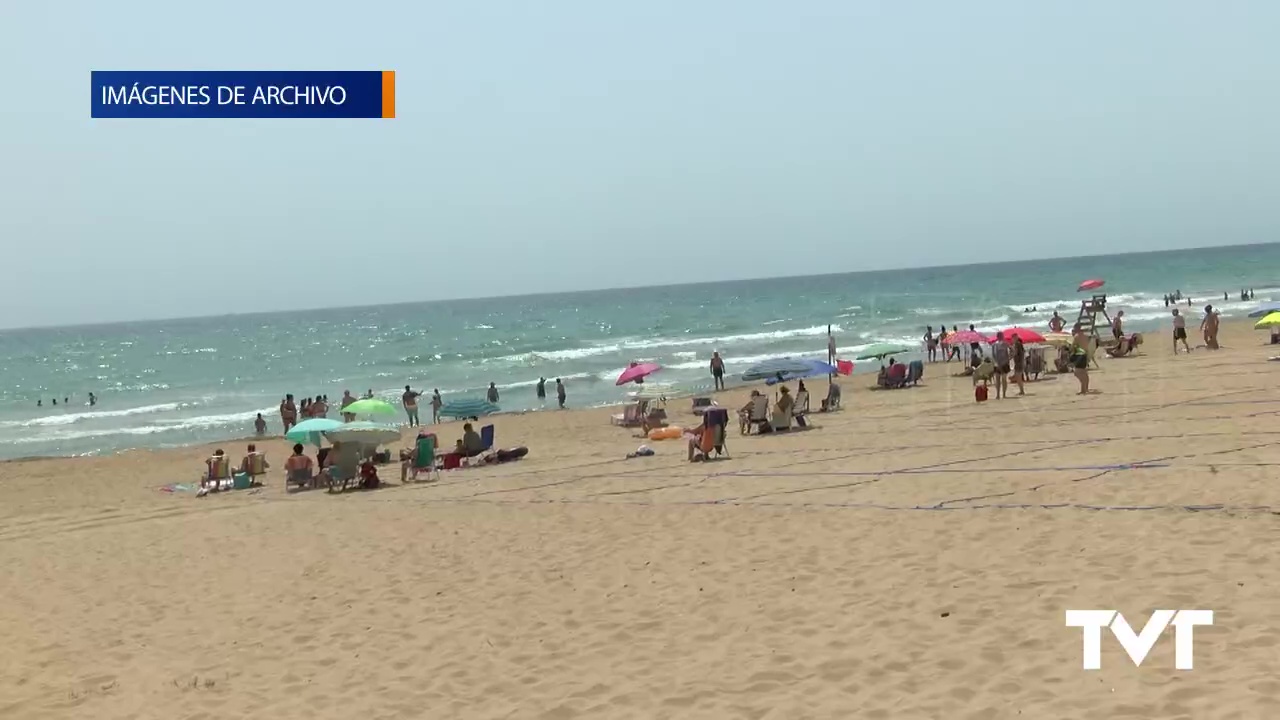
69, 418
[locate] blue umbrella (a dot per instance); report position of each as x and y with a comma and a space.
816, 368
468, 407
1264, 310
308, 431
777, 366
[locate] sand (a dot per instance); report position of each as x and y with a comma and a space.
910, 557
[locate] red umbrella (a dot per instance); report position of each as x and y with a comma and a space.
964, 337
1028, 335
637, 371
1090, 285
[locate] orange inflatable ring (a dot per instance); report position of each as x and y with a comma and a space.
670, 432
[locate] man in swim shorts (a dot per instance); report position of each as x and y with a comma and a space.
410, 399
1000, 354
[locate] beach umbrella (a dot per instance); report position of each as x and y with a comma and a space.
468, 407
637, 371
370, 406
774, 367
964, 337
308, 431
1264, 310
1028, 335
365, 433
1270, 320
816, 368
879, 351
1090, 285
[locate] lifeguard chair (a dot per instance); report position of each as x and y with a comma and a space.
1089, 311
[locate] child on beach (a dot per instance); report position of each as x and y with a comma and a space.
1179, 331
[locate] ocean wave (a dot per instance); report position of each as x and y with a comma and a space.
643, 344
70, 418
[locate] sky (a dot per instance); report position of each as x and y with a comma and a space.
577, 144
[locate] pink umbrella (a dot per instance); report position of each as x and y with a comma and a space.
637, 371
964, 337
1028, 335
1090, 285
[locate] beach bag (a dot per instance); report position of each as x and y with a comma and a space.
980, 393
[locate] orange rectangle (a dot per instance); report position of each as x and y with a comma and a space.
388, 93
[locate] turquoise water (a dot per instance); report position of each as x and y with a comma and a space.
178, 382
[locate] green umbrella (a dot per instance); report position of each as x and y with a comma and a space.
879, 351
366, 433
370, 406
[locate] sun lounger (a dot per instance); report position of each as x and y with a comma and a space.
300, 477
424, 458
700, 405
915, 371
757, 415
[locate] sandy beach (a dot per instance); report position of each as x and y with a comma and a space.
911, 556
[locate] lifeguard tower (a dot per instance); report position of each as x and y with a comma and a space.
1089, 311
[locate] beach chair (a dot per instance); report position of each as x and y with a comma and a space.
346, 469
424, 460
832, 401
896, 377
630, 415
801, 408
700, 405
300, 477
756, 415
486, 446
218, 474
915, 371
256, 464
711, 435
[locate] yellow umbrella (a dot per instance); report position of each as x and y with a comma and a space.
1270, 320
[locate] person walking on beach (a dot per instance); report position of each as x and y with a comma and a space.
1080, 357
1179, 331
560, 393
93, 400
436, 403
410, 400
493, 393
717, 370
542, 392
288, 413
1001, 355
930, 344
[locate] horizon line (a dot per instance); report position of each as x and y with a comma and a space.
585, 291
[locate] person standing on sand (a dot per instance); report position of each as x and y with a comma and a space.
1117, 326
410, 400
1001, 355
942, 343
288, 413
436, 403
1056, 323
930, 344
975, 348
347, 399
717, 370
1019, 363
542, 392
1080, 357
1209, 326
560, 393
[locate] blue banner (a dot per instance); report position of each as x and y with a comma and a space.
243, 94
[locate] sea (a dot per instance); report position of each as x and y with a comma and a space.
180, 382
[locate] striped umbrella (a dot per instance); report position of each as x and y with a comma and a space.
777, 366
468, 407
